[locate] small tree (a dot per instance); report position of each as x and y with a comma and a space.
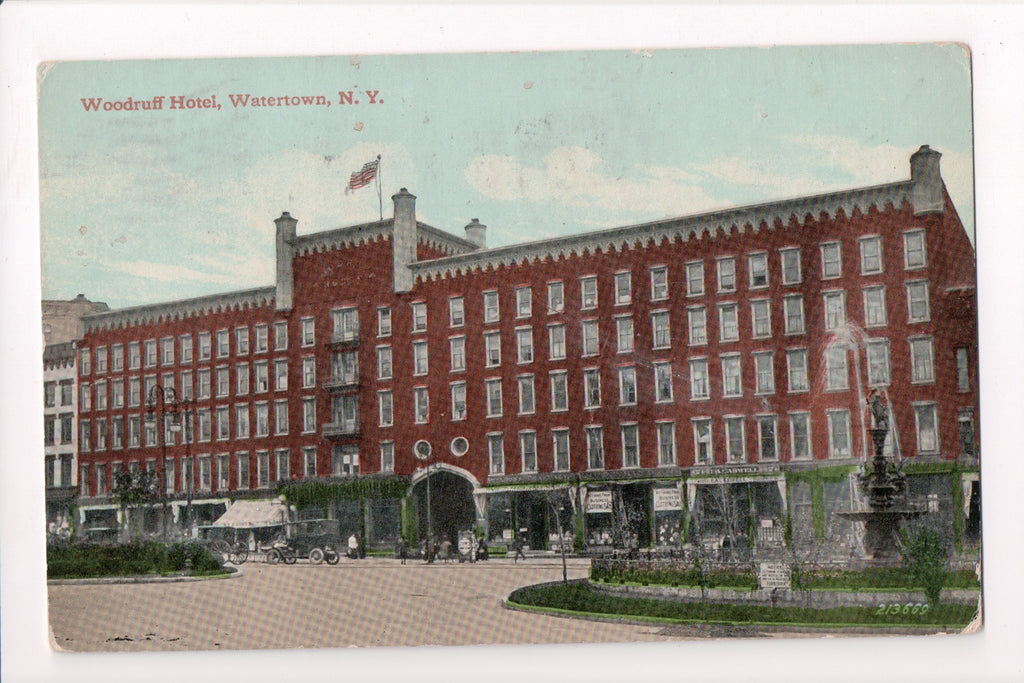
926, 551
134, 490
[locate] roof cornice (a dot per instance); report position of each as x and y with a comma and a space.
355, 235
180, 309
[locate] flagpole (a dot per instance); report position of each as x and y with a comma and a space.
380, 200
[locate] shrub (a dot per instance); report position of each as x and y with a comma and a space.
926, 553
131, 559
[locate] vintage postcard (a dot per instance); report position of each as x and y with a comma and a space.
509, 348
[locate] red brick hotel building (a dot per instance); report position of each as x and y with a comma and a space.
663, 375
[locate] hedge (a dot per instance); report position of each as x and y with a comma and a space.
74, 561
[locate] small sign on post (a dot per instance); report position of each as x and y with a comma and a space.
773, 575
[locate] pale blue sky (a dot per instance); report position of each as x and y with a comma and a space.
149, 206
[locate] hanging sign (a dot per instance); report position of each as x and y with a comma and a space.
773, 575
599, 501
667, 499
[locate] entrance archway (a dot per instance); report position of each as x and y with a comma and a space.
451, 506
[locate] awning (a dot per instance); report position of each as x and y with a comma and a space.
247, 514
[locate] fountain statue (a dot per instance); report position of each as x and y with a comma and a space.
883, 484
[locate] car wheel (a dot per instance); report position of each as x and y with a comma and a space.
274, 556
316, 556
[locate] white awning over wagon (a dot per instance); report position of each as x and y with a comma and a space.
248, 514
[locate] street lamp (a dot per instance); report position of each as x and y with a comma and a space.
161, 402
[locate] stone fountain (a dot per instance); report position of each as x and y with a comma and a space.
883, 484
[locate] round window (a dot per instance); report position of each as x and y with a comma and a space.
421, 449
460, 446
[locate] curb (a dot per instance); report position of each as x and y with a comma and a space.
233, 572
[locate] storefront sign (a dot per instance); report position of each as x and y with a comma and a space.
599, 501
667, 499
703, 472
773, 575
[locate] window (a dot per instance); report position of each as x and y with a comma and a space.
241, 421
223, 381
627, 386
560, 449
917, 302
223, 423
877, 351
699, 386
793, 314
914, 253
729, 329
307, 328
758, 265
262, 419
101, 480
874, 307
456, 311
387, 456
735, 440
666, 435
796, 367
384, 321
101, 395
344, 461
732, 381
726, 274
116, 358
242, 470
49, 430
308, 415
493, 387
963, 370
524, 302
922, 368
84, 435
835, 310
262, 469
630, 445
556, 341
831, 260
524, 345
623, 289
697, 320
151, 350
345, 413
283, 458
383, 362
117, 393
926, 421
659, 283
965, 420
386, 408
457, 353
242, 379
496, 453
135, 354
308, 372
790, 259
591, 388
223, 343
761, 318
458, 400
491, 312
589, 329
205, 347
695, 278
837, 376
84, 398
660, 331
492, 349
419, 358
588, 292
764, 369
134, 431
204, 429
838, 433
662, 382
241, 341
768, 447
556, 297
66, 422
595, 448
421, 405
101, 359
702, 440
526, 397
346, 323
309, 461
870, 255
528, 450
280, 375
559, 391
624, 334
800, 435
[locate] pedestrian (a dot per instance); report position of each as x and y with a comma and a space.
517, 545
431, 551
446, 550
400, 549
353, 547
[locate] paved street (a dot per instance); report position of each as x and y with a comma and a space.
356, 603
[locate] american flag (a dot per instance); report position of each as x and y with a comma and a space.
364, 176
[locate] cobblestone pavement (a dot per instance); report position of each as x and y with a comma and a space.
362, 603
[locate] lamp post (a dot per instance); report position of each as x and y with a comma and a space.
187, 408
161, 402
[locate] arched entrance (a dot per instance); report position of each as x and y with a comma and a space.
451, 505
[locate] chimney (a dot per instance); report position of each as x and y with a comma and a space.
926, 193
403, 240
285, 256
476, 232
